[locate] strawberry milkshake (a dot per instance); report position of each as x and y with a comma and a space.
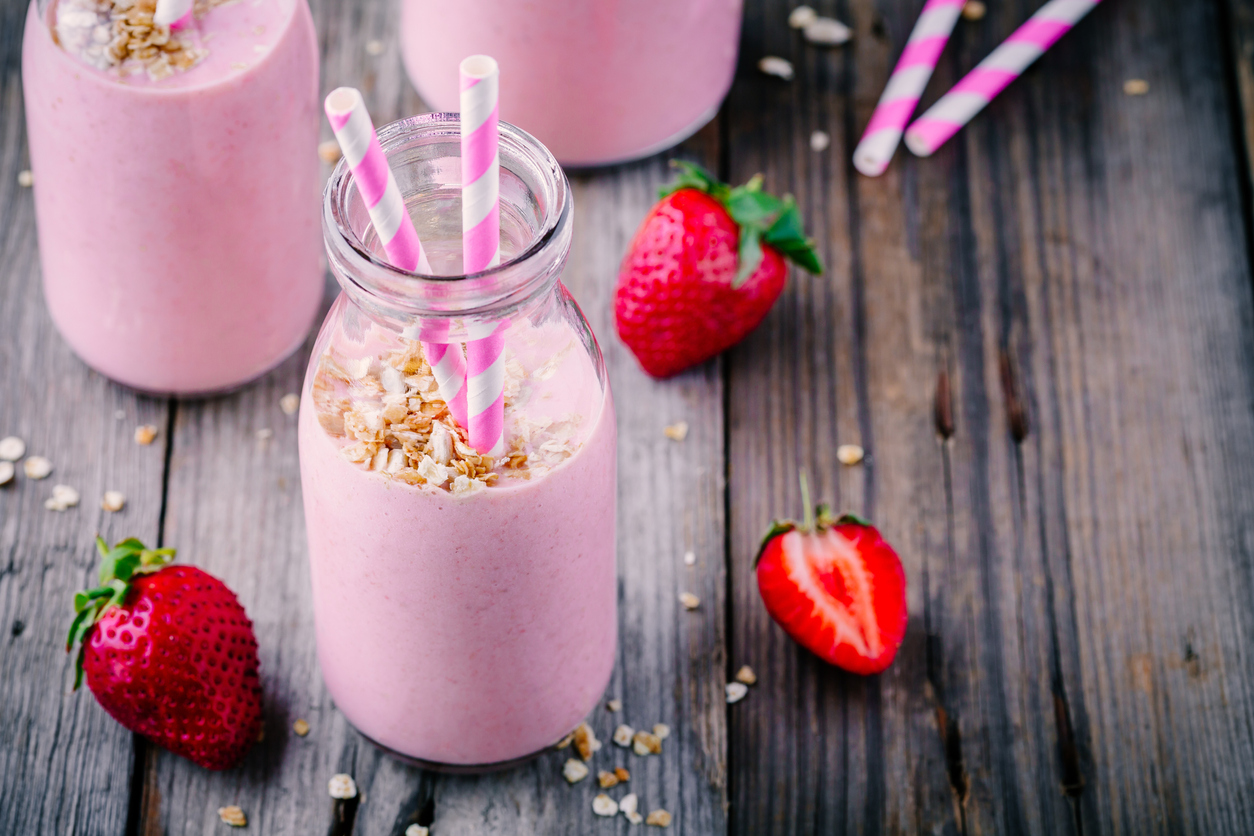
465, 604
176, 185
597, 82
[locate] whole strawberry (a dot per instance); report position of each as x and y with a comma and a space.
170, 654
704, 269
836, 587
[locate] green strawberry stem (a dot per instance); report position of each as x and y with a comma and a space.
762, 218
808, 520
118, 566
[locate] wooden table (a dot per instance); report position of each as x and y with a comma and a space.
1043, 337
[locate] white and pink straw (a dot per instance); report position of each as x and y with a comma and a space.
905, 86
481, 247
173, 13
357, 138
992, 75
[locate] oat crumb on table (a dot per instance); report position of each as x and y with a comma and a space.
677, 431
113, 501
746, 675
574, 771
623, 735
736, 692
658, 818
289, 403
342, 786
300, 727
603, 805
12, 448
607, 779
233, 816
145, 434
690, 601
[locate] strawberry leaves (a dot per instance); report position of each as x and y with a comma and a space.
762, 218
117, 567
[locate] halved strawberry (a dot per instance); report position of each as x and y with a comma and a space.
836, 587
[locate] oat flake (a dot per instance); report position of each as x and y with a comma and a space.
289, 403
974, 10
417, 830
1136, 87
690, 559
621, 774
776, 66
145, 434
849, 454
12, 448
658, 818
746, 675
342, 786
614, 705
574, 771
37, 467
586, 741
25, 178
607, 779
801, 17
623, 735
690, 601
736, 692
603, 805
824, 31
233, 816
819, 141
628, 804
677, 431
661, 731
645, 743
300, 727
113, 501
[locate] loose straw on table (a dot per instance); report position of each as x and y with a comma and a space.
365, 158
905, 85
1003, 65
172, 13
481, 247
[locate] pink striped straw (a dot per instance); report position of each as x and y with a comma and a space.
905, 86
357, 138
1003, 65
481, 247
173, 13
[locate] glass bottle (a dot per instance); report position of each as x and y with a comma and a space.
465, 606
176, 186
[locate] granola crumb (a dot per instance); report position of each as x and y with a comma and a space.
289, 403
63, 497
974, 10
622, 775
145, 434
658, 818
746, 675
819, 141
1136, 87
113, 501
824, 31
25, 178
776, 66
603, 805
121, 35
628, 804
330, 152
634, 817
801, 17
265, 434
607, 779
342, 786
677, 431
565, 741
736, 692
37, 467
661, 731
417, 830
7, 469
586, 741
12, 448
614, 706
374, 47
849, 454
233, 816
646, 743
623, 735
301, 727
690, 558
574, 771
690, 601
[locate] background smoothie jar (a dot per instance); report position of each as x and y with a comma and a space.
465, 607
176, 185
597, 82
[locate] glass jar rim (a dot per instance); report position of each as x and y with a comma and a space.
504, 284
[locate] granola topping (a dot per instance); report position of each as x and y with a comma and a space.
121, 35
574, 771
388, 413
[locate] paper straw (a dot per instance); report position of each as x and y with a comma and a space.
905, 86
357, 138
172, 13
1003, 65
481, 247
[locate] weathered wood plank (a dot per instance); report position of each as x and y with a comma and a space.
67, 766
234, 505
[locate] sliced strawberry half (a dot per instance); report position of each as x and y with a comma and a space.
836, 587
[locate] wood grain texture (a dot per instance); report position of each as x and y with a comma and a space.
234, 500
66, 766
1090, 363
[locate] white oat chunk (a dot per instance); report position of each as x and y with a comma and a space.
690, 601
12, 448
145, 433
628, 804
289, 403
603, 805
746, 675
677, 431
658, 818
801, 17
776, 66
646, 743
849, 454
736, 692
417, 830
623, 735
661, 730
342, 786
819, 141
824, 31
233, 816
63, 497
574, 771
113, 501
37, 467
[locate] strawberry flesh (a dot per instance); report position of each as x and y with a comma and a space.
839, 590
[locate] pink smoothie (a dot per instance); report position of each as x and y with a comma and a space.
178, 216
596, 81
477, 628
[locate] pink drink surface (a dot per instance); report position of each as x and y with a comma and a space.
597, 82
178, 218
471, 629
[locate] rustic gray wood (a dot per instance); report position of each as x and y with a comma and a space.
1075, 264
66, 766
234, 501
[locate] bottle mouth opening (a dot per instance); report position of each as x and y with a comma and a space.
424, 153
